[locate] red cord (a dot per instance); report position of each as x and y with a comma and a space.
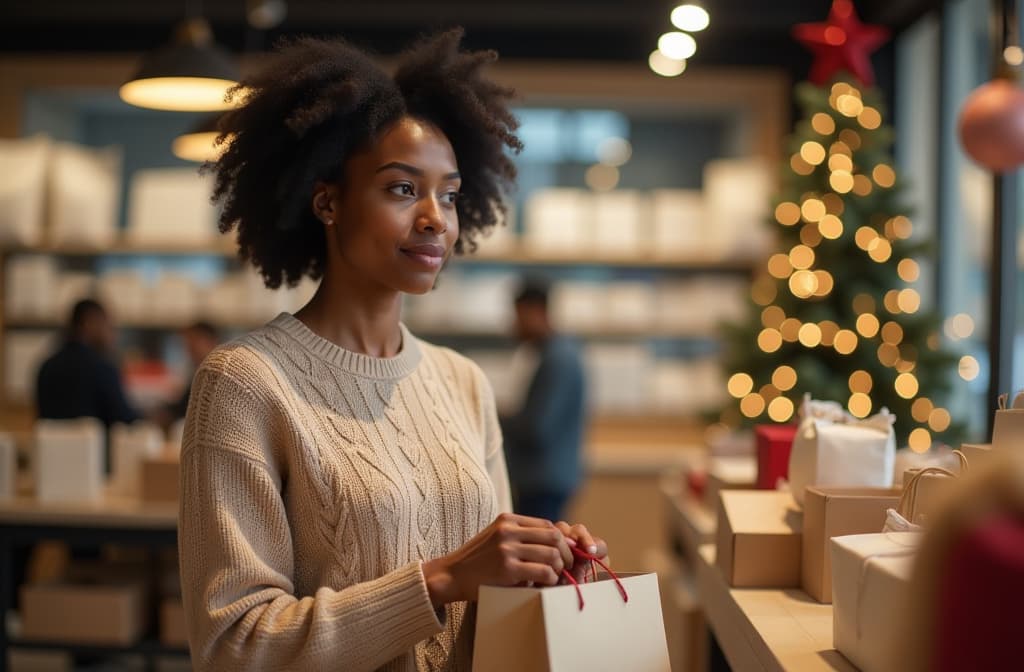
583, 555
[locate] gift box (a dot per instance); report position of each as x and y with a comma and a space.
870, 597
774, 443
160, 478
84, 195
69, 460
759, 539
86, 613
738, 472
173, 631
837, 512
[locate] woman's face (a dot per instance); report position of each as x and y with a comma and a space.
392, 222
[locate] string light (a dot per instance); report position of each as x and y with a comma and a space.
904, 366
772, 317
891, 301
769, 340
780, 266
823, 124
803, 284
901, 226
802, 257
825, 283
850, 138
809, 335
860, 381
740, 385
769, 392
933, 341
829, 329
867, 325
883, 175
864, 237
787, 213
799, 166
906, 385
870, 118
780, 409
861, 185
880, 250
908, 270
840, 162
790, 329
810, 235
763, 291
960, 326
969, 367
920, 440
921, 409
859, 405
841, 181
812, 152
939, 420
845, 342
840, 147
892, 333
909, 300
831, 227
888, 354
752, 405
784, 378
849, 105
812, 210
833, 204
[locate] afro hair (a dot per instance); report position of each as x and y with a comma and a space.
315, 103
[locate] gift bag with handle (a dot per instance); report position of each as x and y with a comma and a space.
1008, 426
834, 448
613, 622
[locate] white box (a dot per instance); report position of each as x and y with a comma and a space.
578, 306
737, 196
130, 446
556, 221
677, 223
24, 353
628, 306
126, 294
618, 217
871, 597
8, 466
23, 164
31, 287
68, 462
175, 300
84, 195
171, 206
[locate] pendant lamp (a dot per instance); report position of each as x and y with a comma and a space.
190, 74
199, 143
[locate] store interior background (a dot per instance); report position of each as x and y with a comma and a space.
644, 296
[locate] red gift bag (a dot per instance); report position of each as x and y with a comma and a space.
773, 445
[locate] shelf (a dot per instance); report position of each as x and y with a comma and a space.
215, 247
145, 647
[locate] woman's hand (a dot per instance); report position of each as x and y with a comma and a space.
580, 536
510, 551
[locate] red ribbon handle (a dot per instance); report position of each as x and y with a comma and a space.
583, 555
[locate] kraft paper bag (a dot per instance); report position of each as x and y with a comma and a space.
545, 630
1008, 427
834, 448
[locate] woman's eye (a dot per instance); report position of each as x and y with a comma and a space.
451, 196
403, 189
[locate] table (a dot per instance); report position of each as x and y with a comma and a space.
767, 629
25, 521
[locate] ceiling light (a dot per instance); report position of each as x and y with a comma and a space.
691, 18
199, 144
665, 66
190, 74
679, 46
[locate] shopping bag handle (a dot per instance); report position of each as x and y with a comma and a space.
589, 557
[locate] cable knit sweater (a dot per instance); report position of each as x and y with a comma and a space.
314, 483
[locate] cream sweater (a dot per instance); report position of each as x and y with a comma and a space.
314, 483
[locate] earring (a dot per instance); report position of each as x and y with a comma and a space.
329, 222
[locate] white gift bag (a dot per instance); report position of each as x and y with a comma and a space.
833, 448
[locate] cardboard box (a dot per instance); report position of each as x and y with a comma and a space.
759, 539
837, 512
871, 596
160, 478
112, 614
173, 631
774, 442
729, 473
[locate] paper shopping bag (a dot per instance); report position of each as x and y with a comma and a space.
546, 630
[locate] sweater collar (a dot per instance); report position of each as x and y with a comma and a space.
399, 366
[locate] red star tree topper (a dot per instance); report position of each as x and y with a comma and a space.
841, 43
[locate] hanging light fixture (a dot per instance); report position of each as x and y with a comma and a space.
190, 74
199, 144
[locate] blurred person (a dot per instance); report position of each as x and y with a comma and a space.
343, 487
82, 378
543, 438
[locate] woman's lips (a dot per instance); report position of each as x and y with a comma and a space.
430, 256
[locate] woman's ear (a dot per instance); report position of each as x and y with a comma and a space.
323, 202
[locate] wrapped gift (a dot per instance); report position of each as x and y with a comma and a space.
774, 443
833, 448
871, 596
837, 512
758, 539
69, 461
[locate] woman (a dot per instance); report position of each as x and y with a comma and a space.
344, 493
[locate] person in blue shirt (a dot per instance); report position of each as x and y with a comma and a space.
81, 378
543, 438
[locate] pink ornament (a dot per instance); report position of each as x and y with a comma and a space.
991, 125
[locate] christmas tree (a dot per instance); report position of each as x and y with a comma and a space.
835, 313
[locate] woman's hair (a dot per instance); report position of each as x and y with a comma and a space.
315, 103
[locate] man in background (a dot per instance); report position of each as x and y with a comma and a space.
81, 379
543, 438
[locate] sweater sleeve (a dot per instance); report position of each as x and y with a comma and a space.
494, 455
237, 560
